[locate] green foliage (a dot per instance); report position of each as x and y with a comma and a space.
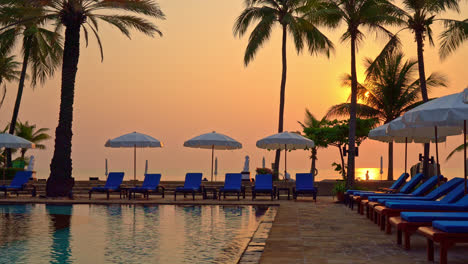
264, 171
339, 168
292, 15
30, 133
87, 13
339, 187
335, 132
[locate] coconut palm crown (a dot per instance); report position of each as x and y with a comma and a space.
293, 18
391, 88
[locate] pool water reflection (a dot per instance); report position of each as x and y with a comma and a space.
125, 233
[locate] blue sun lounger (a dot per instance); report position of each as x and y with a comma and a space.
19, 183
447, 234
150, 185
418, 194
305, 185
408, 222
232, 184
406, 189
192, 185
453, 201
114, 180
395, 186
263, 184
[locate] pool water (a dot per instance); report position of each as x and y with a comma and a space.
125, 233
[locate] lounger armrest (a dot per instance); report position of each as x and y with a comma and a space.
162, 188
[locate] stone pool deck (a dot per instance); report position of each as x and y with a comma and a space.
325, 232
302, 232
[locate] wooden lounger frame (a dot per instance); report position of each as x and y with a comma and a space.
446, 240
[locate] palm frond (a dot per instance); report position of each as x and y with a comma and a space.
259, 35
143, 7
455, 33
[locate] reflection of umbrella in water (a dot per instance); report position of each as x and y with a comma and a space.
12, 141
213, 141
446, 111
286, 141
134, 140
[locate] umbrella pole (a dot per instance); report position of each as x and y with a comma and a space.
464, 153
406, 153
134, 164
4, 169
212, 160
285, 154
437, 153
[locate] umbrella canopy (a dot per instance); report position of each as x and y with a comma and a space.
447, 111
450, 110
286, 141
12, 141
398, 132
134, 140
213, 141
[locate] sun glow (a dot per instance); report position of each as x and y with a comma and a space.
374, 173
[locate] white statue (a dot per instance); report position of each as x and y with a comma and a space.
246, 164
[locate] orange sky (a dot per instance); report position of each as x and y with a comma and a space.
193, 81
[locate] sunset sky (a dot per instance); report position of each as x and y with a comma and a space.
193, 81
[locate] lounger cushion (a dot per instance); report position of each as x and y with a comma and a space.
263, 182
432, 216
451, 226
232, 182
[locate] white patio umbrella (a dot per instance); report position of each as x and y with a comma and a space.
286, 141
134, 140
12, 141
213, 141
397, 131
446, 111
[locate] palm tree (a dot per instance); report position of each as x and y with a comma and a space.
292, 16
74, 16
8, 71
418, 17
41, 49
311, 122
374, 15
391, 88
29, 132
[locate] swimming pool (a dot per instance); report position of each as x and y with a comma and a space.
125, 233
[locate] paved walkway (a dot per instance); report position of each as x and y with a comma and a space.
325, 232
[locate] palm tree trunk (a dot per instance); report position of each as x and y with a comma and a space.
19, 95
343, 171
60, 182
390, 162
352, 115
314, 158
422, 81
282, 95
